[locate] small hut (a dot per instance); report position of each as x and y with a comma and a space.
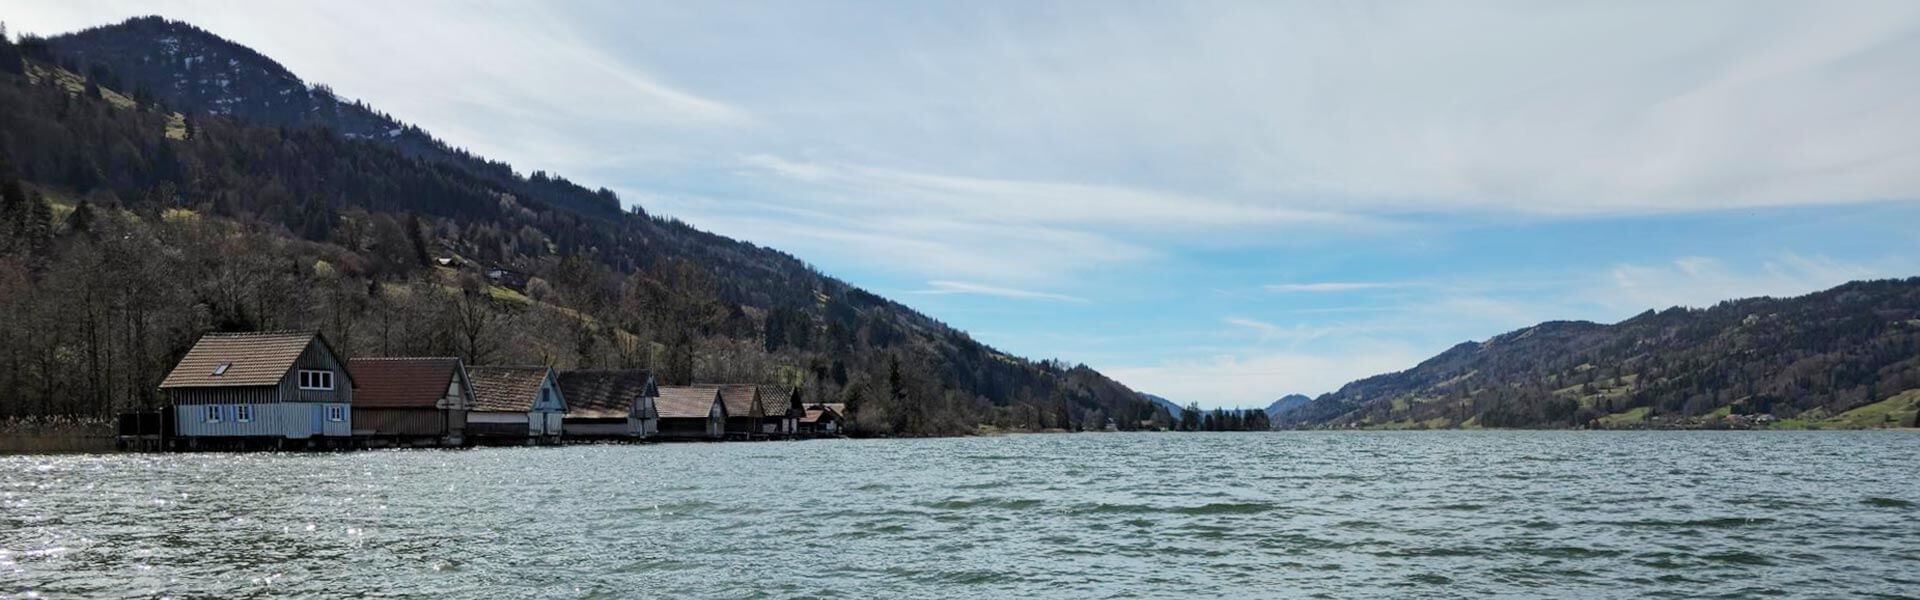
262, 386
411, 401
780, 409
515, 405
743, 410
822, 420
610, 404
692, 412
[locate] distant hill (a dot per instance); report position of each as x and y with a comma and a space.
1848, 356
1287, 403
161, 182
1173, 410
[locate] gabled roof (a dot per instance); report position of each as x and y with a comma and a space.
739, 398
817, 414
506, 389
687, 402
251, 359
605, 394
777, 400
401, 382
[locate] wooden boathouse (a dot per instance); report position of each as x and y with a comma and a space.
245, 389
410, 401
515, 405
610, 404
823, 420
693, 412
743, 410
780, 409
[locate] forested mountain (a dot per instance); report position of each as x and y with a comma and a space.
192, 70
1848, 356
222, 193
1287, 403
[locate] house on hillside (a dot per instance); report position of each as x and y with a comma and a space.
780, 410
515, 405
231, 388
411, 401
743, 409
610, 404
507, 278
821, 420
693, 412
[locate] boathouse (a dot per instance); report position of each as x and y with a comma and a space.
281, 385
610, 404
410, 401
781, 410
743, 410
823, 420
692, 413
515, 405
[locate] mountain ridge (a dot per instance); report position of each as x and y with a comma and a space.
1811, 359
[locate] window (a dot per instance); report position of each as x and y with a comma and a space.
316, 380
243, 413
221, 369
336, 413
213, 413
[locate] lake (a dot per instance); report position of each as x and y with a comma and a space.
1310, 514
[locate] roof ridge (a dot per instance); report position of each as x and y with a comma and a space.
302, 332
405, 358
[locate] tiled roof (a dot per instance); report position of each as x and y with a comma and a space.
817, 414
401, 382
739, 398
506, 389
252, 359
686, 402
776, 400
603, 394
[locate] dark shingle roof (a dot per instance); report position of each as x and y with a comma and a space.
259, 358
603, 394
506, 389
777, 400
739, 398
686, 402
401, 382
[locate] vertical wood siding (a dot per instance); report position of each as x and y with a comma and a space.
402, 422
274, 419
316, 357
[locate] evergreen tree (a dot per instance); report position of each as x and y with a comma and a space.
418, 240
81, 220
39, 227
13, 216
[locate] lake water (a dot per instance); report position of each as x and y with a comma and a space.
1416, 514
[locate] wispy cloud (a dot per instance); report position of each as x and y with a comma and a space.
1333, 287
1254, 378
941, 287
1700, 281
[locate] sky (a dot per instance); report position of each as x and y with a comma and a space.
1216, 202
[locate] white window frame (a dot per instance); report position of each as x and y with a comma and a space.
312, 379
337, 413
242, 413
212, 413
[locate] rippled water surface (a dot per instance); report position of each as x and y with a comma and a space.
1440, 514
